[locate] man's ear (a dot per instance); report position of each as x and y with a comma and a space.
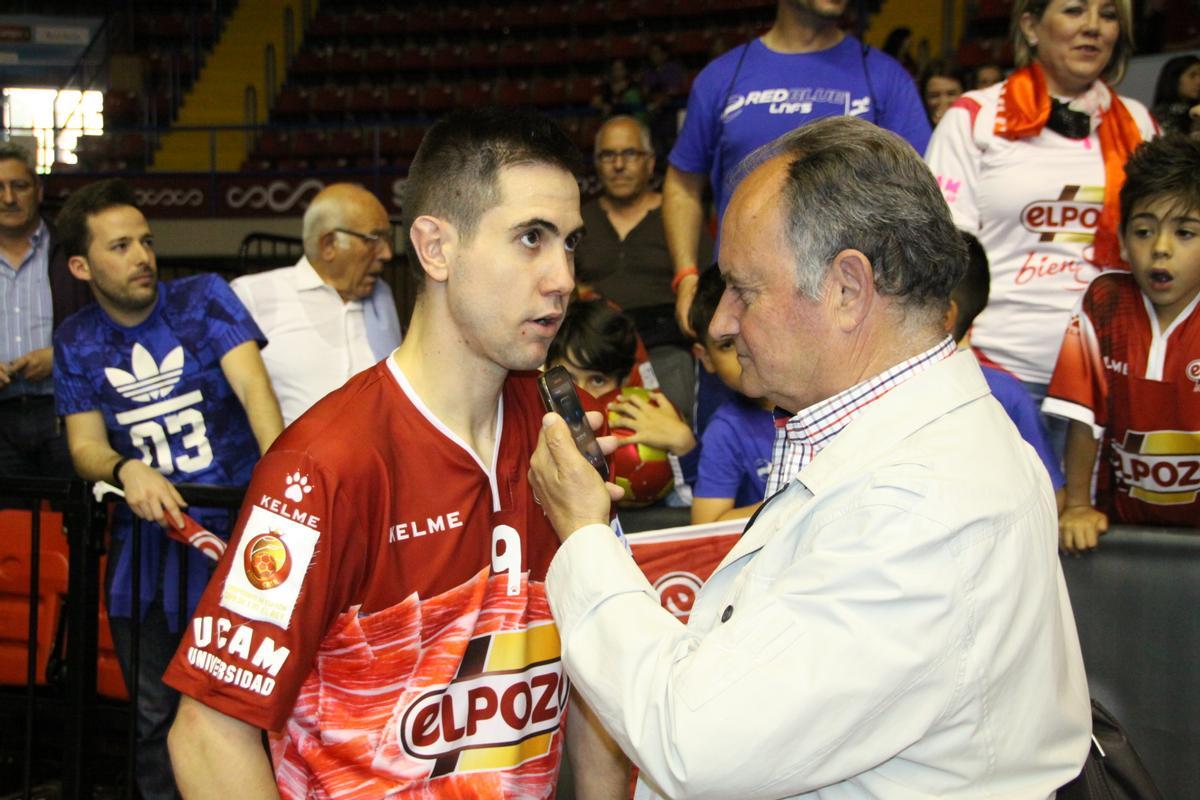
80, 268
701, 353
851, 286
1121, 241
433, 242
950, 318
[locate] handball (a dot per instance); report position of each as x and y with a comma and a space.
641, 470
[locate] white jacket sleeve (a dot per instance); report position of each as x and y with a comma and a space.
851, 644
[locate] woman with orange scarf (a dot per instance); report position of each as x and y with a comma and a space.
1033, 167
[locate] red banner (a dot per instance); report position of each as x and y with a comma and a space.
677, 561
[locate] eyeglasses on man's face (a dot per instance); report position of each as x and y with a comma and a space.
376, 239
629, 154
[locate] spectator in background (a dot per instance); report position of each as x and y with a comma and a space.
898, 45
664, 87
802, 69
597, 345
331, 315
735, 454
986, 75
969, 298
624, 255
1128, 376
1177, 91
37, 292
620, 95
159, 383
1037, 180
940, 87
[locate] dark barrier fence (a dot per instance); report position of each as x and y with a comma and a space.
60, 736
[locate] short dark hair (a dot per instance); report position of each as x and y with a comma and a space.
596, 336
1166, 167
454, 173
971, 293
709, 289
85, 202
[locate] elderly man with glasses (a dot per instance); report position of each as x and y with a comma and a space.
624, 256
329, 316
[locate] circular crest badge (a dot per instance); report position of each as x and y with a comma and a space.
267, 561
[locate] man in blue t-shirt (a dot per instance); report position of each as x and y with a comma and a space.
801, 70
159, 383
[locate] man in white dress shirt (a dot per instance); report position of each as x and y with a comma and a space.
894, 621
330, 316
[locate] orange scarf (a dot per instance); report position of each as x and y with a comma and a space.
1023, 112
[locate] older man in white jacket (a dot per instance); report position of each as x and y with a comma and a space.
894, 623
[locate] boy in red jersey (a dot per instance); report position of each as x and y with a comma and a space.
381, 610
1128, 374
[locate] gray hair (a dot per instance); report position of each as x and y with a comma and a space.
852, 185
323, 214
14, 152
1114, 70
643, 129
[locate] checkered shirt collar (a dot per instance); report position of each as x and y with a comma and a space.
799, 438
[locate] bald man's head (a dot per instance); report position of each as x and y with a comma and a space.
347, 239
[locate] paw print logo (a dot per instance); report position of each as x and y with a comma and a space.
297, 487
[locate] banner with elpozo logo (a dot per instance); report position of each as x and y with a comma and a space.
677, 561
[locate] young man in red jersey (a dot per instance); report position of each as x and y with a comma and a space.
382, 611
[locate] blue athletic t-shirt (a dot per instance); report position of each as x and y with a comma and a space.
735, 456
165, 401
778, 92
1019, 406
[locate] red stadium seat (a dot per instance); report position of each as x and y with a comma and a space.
362, 23
512, 93
346, 63
439, 97
473, 94
403, 99
348, 143
365, 102
547, 92
329, 101
273, 144
627, 47
292, 103
478, 54
310, 63
326, 26
309, 144
15, 584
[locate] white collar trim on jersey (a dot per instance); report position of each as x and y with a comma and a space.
1156, 359
442, 428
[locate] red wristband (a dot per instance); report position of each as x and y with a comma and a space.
679, 276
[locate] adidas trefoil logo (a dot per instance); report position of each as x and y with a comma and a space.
149, 380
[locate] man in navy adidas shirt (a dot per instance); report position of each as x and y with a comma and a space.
159, 384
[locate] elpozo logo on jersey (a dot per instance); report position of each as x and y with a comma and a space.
1160, 467
1070, 218
501, 710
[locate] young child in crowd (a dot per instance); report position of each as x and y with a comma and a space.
735, 451
967, 301
597, 344
1128, 373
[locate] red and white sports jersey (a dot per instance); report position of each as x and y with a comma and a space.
1139, 388
381, 609
1033, 204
